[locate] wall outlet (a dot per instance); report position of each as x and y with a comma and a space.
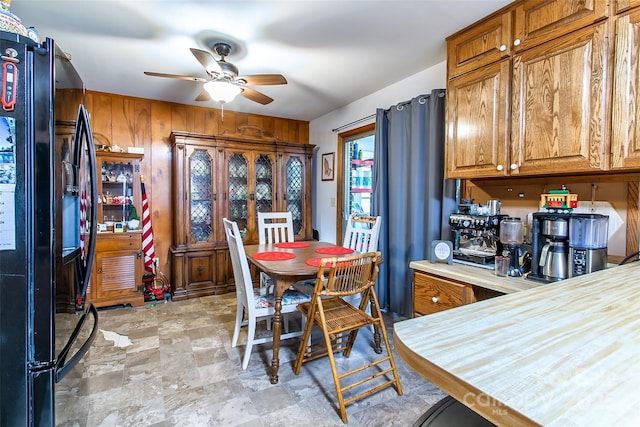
332, 202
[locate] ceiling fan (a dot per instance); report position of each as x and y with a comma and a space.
223, 83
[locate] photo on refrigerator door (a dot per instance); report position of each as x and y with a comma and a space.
7, 150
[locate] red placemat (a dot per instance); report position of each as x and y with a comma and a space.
334, 250
273, 256
291, 245
315, 262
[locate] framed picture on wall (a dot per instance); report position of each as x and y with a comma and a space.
327, 166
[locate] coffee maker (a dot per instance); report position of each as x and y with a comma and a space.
588, 235
549, 246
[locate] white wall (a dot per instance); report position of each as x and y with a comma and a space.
320, 134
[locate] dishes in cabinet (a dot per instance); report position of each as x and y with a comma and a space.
199, 212
295, 212
262, 171
263, 191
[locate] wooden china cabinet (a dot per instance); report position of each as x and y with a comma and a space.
116, 277
230, 176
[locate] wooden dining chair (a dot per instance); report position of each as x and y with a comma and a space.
275, 227
362, 233
251, 306
340, 322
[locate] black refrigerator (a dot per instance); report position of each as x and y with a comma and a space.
47, 227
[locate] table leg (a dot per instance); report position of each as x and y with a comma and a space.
277, 324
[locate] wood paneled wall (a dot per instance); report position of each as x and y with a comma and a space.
136, 122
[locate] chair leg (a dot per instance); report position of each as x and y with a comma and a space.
251, 334
236, 330
334, 373
305, 341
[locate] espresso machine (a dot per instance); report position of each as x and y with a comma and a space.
549, 246
476, 238
588, 236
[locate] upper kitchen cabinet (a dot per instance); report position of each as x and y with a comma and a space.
544, 109
623, 5
538, 21
559, 104
484, 43
477, 123
625, 132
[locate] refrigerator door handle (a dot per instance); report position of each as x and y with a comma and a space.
63, 368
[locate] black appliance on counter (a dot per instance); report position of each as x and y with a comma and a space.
476, 239
47, 227
549, 247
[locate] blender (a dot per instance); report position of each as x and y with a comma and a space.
588, 235
511, 237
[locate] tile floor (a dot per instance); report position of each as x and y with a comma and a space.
180, 370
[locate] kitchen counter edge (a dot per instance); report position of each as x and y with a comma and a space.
476, 276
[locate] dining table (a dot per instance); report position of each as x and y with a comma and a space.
288, 263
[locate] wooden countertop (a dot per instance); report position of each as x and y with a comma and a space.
476, 276
562, 354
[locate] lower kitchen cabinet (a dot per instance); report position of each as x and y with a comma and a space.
116, 277
432, 294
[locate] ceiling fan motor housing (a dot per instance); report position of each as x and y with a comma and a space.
228, 70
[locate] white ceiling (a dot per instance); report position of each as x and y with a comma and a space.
332, 52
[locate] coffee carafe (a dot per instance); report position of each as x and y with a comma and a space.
550, 234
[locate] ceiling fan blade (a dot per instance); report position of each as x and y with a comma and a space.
207, 60
176, 76
203, 96
256, 96
264, 79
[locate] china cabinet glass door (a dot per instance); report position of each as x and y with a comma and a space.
238, 173
264, 192
116, 190
294, 194
201, 195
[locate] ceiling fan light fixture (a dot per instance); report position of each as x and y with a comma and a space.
222, 91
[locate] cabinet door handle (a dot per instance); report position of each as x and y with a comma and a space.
513, 166
139, 255
503, 47
499, 167
99, 271
434, 299
251, 196
516, 42
215, 197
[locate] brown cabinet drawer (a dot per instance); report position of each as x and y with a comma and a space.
432, 294
119, 242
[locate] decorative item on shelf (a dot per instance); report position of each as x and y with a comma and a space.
558, 201
121, 178
134, 220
